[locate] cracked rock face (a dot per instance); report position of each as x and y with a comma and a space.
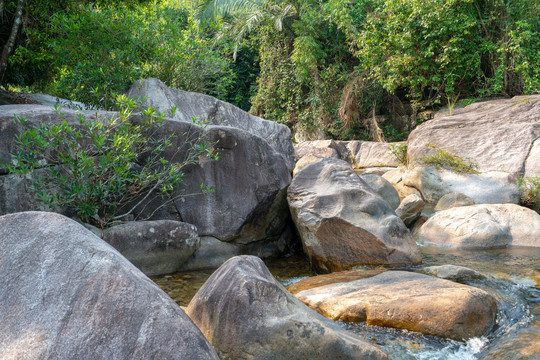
342, 222
67, 294
407, 300
246, 314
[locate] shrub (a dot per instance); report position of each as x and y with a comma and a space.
529, 189
103, 170
445, 159
399, 151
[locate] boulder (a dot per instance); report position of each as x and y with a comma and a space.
366, 154
495, 134
451, 200
67, 294
378, 170
454, 273
246, 314
406, 300
484, 188
155, 247
395, 177
342, 222
216, 112
250, 179
482, 227
322, 149
382, 187
305, 161
333, 278
410, 209
532, 169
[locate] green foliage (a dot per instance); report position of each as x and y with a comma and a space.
399, 151
106, 169
97, 52
447, 160
529, 189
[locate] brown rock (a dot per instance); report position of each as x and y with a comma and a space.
406, 300
333, 278
343, 223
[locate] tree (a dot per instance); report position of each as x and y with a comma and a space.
8, 47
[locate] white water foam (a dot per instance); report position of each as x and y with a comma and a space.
454, 351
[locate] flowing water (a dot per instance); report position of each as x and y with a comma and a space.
512, 277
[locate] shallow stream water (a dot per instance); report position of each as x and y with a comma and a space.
512, 277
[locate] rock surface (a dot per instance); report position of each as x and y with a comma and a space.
485, 188
482, 227
496, 134
382, 187
66, 294
155, 247
333, 278
367, 154
449, 201
410, 209
343, 223
454, 273
217, 112
246, 314
406, 300
322, 149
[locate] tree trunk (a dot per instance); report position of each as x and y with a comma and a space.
8, 47
1, 11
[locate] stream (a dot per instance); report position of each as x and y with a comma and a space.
512, 277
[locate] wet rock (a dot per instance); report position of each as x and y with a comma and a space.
246, 314
453, 200
482, 227
343, 223
406, 300
333, 278
367, 154
454, 273
410, 209
217, 112
382, 187
155, 247
67, 294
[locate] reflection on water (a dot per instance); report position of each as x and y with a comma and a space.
513, 278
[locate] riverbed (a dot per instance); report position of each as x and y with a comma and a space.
512, 277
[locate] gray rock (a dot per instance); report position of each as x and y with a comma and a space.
407, 300
66, 294
485, 188
382, 187
532, 168
246, 314
372, 154
378, 170
217, 112
395, 177
496, 134
322, 149
410, 209
155, 247
482, 227
342, 222
454, 273
453, 200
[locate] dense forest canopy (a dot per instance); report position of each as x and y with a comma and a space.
327, 68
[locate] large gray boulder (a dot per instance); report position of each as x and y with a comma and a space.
246, 314
250, 179
407, 300
482, 227
500, 136
155, 247
342, 222
496, 134
67, 294
217, 112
